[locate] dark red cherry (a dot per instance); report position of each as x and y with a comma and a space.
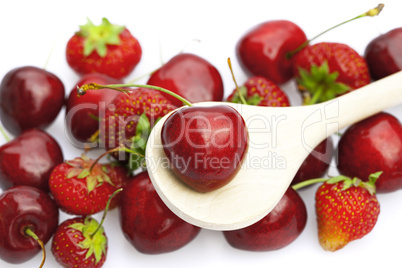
147, 223
262, 51
83, 113
384, 54
191, 77
317, 162
205, 145
30, 97
23, 207
29, 159
372, 145
276, 230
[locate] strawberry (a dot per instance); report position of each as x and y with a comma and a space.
105, 48
347, 209
80, 191
260, 91
326, 70
79, 243
130, 121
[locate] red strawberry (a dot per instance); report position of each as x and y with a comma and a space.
327, 70
78, 243
347, 209
105, 48
261, 92
79, 191
131, 120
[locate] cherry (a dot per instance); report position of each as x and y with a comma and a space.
83, 114
372, 145
29, 159
262, 51
276, 230
205, 145
384, 54
316, 163
147, 223
24, 211
191, 77
30, 97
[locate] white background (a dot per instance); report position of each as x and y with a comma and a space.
33, 30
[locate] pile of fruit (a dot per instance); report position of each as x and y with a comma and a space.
37, 182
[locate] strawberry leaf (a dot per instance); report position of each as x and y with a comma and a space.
250, 100
95, 243
139, 143
98, 37
320, 83
84, 173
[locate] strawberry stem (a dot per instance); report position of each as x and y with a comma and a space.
31, 234
4, 134
106, 209
119, 87
302, 184
371, 13
234, 80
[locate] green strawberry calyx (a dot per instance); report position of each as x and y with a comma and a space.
97, 37
139, 143
250, 100
84, 168
347, 182
319, 84
356, 182
94, 241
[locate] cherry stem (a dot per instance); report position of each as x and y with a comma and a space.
132, 81
31, 234
106, 210
4, 134
120, 87
234, 80
302, 184
117, 149
371, 13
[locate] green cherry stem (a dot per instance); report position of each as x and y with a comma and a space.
120, 87
234, 80
307, 183
106, 210
31, 234
4, 134
371, 13
117, 149
132, 81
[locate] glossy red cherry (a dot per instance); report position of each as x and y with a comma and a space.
147, 223
262, 51
191, 77
372, 145
384, 54
317, 162
84, 113
30, 97
205, 145
29, 159
276, 230
23, 207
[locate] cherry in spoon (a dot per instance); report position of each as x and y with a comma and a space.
280, 138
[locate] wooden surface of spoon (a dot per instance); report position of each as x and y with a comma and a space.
280, 138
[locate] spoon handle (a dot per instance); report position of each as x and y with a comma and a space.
371, 99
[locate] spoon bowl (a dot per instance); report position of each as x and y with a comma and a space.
280, 138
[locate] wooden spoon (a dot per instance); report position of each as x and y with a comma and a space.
280, 140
